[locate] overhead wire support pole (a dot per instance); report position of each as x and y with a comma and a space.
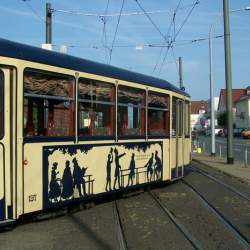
48, 23
180, 73
228, 76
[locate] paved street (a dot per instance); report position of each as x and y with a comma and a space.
239, 146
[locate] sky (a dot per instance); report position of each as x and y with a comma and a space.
140, 41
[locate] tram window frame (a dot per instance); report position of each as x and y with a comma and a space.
187, 119
166, 115
138, 131
48, 105
107, 132
2, 99
174, 109
181, 121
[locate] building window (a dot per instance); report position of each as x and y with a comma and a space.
48, 104
96, 116
1, 104
131, 111
158, 114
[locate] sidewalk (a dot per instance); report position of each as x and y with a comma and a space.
238, 169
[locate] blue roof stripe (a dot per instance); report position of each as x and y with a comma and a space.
30, 53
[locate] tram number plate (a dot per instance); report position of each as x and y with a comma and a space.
32, 198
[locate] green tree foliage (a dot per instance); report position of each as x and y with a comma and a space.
222, 119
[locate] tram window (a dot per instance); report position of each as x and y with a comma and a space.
181, 109
158, 114
1, 104
187, 119
96, 114
48, 104
174, 102
131, 111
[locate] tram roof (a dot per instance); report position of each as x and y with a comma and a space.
35, 54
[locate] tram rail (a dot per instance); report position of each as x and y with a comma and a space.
120, 231
177, 223
229, 187
234, 230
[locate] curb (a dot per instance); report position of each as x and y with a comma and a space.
221, 171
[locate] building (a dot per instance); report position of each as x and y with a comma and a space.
242, 118
198, 111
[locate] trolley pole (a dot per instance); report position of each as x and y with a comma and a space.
48, 23
180, 73
228, 74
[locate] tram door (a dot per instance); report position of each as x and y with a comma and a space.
6, 139
180, 139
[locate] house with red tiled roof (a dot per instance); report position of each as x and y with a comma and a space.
198, 111
236, 95
242, 117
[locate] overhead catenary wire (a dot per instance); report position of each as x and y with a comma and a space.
33, 10
148, 45
179, 30
104, 34
168, 33
116, 29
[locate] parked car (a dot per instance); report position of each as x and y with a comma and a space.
245, 133
221, 133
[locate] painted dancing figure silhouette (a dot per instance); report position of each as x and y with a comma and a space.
158, 166
55, 190
67, 182
117, 168
149, 167
108, 169
77, 175
132, 170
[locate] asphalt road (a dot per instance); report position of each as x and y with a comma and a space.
239, 147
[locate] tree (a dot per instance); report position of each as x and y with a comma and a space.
222, 119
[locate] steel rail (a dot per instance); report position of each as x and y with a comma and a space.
120, 232
240, 237
204, 173
177, 223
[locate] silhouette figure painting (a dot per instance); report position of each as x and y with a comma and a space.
158, 166
67, 182
108, 169
117, 168
55, 190
149, 167
83, 180
132, 170
78, 177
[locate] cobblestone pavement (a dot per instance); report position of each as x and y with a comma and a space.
201, 214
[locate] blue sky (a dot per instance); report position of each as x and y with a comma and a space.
85, 33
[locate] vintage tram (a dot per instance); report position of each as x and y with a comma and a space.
72, 129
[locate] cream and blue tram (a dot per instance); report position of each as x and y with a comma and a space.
72, 129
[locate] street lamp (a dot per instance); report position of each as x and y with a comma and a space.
212, 115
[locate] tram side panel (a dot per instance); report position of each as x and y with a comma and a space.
58, 174
2, 195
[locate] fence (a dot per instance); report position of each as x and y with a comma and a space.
242, 150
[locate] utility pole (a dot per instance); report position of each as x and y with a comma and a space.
228, 74
48, 23
212, 115
180, 73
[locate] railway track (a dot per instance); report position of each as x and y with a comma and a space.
120, 231
232, 228
229, 187
176, 222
